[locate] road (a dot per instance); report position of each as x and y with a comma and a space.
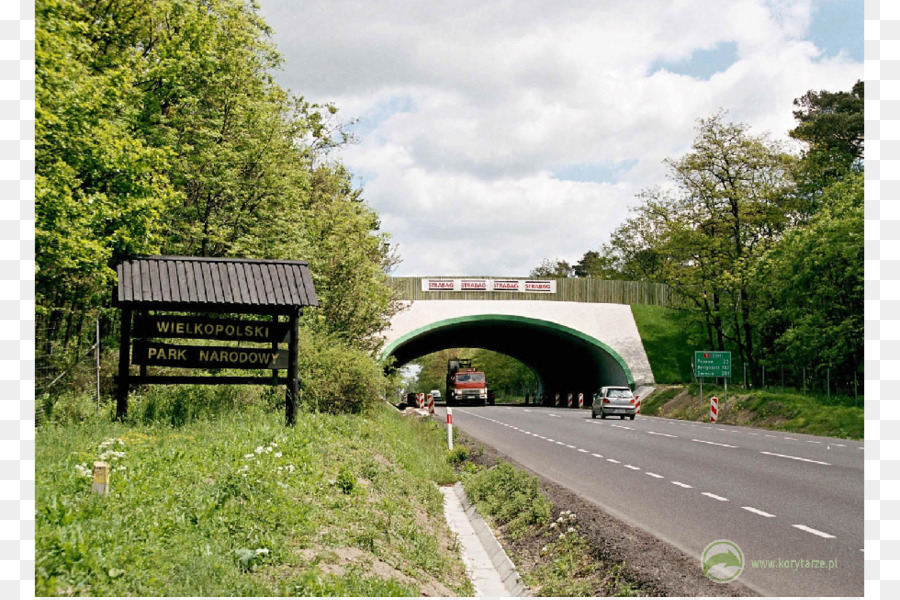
778, 496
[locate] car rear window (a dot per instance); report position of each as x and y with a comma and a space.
618, 394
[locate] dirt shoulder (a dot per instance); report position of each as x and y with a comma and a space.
653, 566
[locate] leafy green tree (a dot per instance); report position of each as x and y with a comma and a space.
731, 198
811, 286
832, 124
554, 269
100, 189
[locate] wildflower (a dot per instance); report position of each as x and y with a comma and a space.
278, 455
570, 530
544, 549
268, 448
120, 468
562, 536
571, 516
290, 468
553, 525
83, 471
249, 455
275, 443
260, 449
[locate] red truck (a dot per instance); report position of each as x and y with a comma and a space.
465, 385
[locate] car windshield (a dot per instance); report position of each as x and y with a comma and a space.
618, 394
472, 377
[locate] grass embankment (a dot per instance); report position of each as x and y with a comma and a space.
566, 564
240, 505
768, 409
670, 339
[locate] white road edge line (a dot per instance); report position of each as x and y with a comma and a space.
814, 531
684, 485
612, 460
818, 462
714, 497
570, 446
632, 467
654, 475
582, 450
597, 455
714, 443
665, 434
761, 513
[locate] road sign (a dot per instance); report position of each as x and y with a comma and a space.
712, 364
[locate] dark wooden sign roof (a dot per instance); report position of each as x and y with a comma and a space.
214, 284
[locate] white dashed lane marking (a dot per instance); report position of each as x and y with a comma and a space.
684, 485
654, 475
715, 497
809, 460
814, 531
756, 511
632, 467
612, 460
597, 455
714, 443
663, 434
582, 450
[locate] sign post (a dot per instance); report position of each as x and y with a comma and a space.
708, 363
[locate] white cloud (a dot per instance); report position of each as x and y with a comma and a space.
467, 108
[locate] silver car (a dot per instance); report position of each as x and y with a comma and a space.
614, 400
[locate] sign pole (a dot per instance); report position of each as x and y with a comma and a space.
701, 390
293, 387
725, 401
124, 347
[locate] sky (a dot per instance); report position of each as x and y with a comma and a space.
492, 135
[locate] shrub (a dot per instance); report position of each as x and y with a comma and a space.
510, 496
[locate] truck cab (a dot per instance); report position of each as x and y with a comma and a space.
465, 385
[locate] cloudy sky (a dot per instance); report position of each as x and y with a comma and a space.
494, 134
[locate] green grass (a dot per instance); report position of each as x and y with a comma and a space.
780, 410
566, 564
670, 338
239, 504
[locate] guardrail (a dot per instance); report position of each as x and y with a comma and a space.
567, 290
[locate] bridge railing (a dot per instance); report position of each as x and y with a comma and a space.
567, 290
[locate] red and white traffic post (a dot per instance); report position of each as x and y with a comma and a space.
557, 399
580, 400
450, 428
430, 404
637, 404
420, 400
713, 409
570, 400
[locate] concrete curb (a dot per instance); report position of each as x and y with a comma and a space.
499, 560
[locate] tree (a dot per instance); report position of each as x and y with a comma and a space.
555, 269
731, 198
810, 285
832, 124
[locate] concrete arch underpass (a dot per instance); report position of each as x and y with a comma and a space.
571, 347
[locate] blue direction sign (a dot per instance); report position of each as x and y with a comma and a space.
712, 364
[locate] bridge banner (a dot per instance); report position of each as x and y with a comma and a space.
541, 286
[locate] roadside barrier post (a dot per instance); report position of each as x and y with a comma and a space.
713, 409
580, 400
637, 402
557, 399
450, 428
430, 404
420, 400
569, 404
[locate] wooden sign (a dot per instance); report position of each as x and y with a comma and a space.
204, 328
207, 357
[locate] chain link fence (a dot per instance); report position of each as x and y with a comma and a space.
69, 351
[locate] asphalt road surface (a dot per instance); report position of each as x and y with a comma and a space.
778, 496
